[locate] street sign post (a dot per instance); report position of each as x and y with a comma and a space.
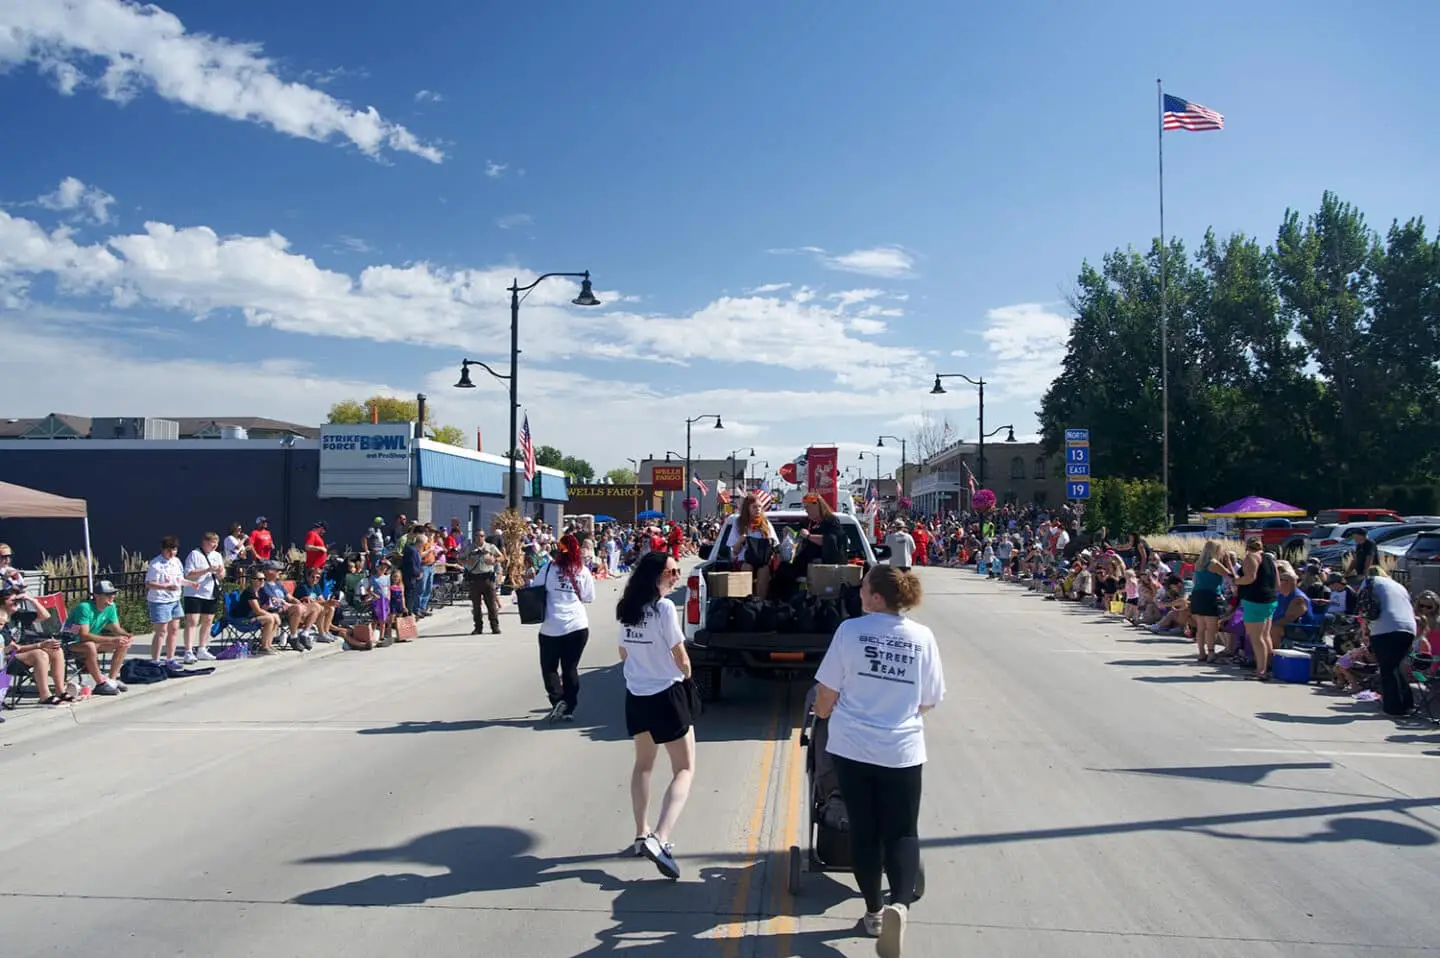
1077, 464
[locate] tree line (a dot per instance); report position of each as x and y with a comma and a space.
1306, 370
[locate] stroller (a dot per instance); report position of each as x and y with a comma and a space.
828, 825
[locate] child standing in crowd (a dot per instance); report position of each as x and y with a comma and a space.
397, 603
1132, 596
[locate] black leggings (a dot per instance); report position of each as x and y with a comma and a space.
884, 808
1391, 649
560, 665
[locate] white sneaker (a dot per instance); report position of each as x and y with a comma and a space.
872, 923
189, 658
204, 655
892, 931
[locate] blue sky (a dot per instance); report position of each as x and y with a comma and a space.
795, 213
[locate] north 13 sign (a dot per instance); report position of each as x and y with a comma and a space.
366, 461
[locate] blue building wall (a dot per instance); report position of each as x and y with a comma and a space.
140, 491
137, 495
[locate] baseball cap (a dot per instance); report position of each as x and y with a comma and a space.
273, 566
105, 587
378, 520
320, 524
1334, 578
260, 519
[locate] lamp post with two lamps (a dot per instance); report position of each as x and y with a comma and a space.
880, 444
733, 453
688, 423
586, 298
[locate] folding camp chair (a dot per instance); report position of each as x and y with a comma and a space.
17, 675
232, 626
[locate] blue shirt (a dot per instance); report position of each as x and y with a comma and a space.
273, 596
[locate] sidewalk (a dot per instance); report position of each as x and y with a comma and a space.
31, 718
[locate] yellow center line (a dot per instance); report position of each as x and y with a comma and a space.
787, 922
734, 930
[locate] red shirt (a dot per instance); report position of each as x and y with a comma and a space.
922, 542
677, 539
657, 544
315, 559
262, 543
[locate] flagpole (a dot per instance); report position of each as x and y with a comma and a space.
1164, 320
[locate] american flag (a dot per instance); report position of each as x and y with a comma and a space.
1181, 114
869, 495
700, 484
527, 449
763, 499
970, 477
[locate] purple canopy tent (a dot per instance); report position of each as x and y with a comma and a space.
1255, 507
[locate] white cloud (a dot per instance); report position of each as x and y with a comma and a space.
889, 262
494, 170
142, 47
512, 221
355, 244
767, 288
1028, 344
197, 271
850, 297
959, 353
72, 195
428, 96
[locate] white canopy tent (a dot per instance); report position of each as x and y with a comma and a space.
18, 502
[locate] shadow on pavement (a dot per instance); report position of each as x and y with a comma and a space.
748, 712
1375, 830
1345, 718
1152, 663
651, 915
1181, 679
1240, 774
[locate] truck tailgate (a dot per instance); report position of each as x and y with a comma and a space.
765, 641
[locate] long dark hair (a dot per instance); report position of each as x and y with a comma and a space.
643, 589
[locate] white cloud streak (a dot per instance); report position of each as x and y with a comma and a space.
143, 47
494, 170
1027, 342
88, 202
886, 262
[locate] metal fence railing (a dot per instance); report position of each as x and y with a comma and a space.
77, 587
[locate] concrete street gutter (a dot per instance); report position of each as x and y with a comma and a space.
31, 721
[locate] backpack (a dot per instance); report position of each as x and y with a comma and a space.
143, 672
745, 615
717, 615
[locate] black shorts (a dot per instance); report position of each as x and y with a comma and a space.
1206, 604
194, 605
665, 715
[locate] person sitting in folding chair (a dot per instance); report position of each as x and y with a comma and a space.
92, 627
42, 656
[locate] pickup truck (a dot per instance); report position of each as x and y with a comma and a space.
773, 655
1280, 534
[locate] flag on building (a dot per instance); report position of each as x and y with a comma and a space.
700, 484
948, 431
527, 449
1179, 114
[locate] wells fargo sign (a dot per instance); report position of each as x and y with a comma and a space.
609, 492
668, 478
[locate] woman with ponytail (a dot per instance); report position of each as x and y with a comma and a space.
569, 587
880, 675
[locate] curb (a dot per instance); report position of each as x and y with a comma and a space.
32, 721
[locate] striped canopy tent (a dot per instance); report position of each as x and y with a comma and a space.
1255, 507
18, 502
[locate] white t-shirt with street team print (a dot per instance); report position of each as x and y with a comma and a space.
649, 657
885, 668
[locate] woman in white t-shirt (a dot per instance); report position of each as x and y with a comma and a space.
753, 543
880, 675
660, 701
569, 587
200, 596
164, 576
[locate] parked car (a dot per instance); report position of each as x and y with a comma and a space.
1330, 535
1279, 534
1386, 535
1343, 516
1425, 548
1189, 529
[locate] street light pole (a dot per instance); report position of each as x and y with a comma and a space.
880, 444
636, 463
688, 423
586, 298
939, 390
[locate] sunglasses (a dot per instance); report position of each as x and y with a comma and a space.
671, 571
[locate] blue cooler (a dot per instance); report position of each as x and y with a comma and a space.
1291, 666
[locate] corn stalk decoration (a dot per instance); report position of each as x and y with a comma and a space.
512, 528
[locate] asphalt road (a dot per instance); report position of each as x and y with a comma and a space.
1089, 793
